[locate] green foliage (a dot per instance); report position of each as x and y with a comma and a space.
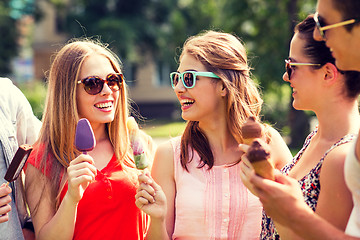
266, 26
8, 39
35, 92
161, 26
129, 26
276, 105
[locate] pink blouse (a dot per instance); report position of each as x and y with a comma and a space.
213, 204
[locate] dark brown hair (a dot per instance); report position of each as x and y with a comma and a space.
349, 9
318, 52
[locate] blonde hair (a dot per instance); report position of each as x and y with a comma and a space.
61, 113
224, 55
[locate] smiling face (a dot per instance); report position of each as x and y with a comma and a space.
99, 108
345, 45
203, 101
304, 79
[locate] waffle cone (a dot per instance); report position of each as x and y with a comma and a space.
248, 141
264, 169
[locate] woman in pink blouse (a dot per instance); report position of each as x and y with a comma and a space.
199, 172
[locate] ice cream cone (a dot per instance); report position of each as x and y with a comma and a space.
259, 156
264, 169
251, 130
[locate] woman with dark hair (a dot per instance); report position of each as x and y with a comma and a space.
199, 171
332, 95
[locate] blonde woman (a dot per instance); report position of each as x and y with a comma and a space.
84, 196
199, 171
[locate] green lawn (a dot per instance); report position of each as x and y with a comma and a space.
167, 129
161, 129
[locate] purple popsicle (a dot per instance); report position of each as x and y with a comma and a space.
84, 136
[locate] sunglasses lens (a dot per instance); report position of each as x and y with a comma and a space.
93, 85
188, 79
319, 24
174, 77
288, 70
113, 81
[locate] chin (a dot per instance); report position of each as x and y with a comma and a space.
347, 66
296, 106
106, 119
186, 117
109, 120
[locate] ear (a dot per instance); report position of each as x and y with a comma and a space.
331, 73
222, 89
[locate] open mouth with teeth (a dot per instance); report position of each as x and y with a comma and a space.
187, 102
106, 105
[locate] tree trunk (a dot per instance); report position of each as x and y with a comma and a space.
299, 127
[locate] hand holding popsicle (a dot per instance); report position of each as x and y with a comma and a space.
137, 144
81, 170
5, 199
11, 175
150, 197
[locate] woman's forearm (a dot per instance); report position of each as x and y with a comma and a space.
310, 226
62, 224
157, 230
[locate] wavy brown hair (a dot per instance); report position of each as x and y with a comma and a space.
224, 55
61, 114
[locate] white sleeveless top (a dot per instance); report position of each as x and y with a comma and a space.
352, 178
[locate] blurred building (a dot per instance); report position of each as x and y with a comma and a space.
149, 85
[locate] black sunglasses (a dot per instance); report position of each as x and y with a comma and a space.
94, 84
289, 65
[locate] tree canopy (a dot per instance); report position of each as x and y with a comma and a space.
160, 27
8, 39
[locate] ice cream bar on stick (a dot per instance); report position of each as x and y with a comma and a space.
137, 145
84, 136
259, 156
251, 130
17, 163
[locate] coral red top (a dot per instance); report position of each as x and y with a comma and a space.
107, 209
